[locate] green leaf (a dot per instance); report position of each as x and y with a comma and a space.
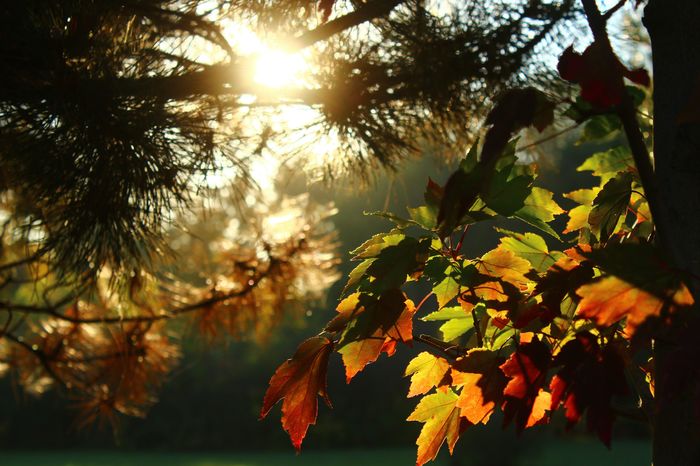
424, 216
600, 127
539, 210
446, 290
373, 246
610, 205
578, 218
395, 262
446, 313
356, 275
437, 268
508, 189
455, 328
399, 221
461, 191
364, 316
638, 95
607, 164
530, 247
583, 196
444, 276
501, 336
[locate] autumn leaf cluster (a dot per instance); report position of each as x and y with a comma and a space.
557, 317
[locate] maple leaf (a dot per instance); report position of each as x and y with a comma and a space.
527, 369
504, 264
599, 73
297, 382
442, 422
606, 165
589, 379
540, 209
458, 321
395, 262
611, 299
562, 279
426, 371
530, 247
578, 218
482, 383
610, 206
376, 329
360, 315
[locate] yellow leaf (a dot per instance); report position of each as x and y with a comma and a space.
442, 422
426, 371
504, 264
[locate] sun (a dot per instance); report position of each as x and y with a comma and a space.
277, 69
273, 68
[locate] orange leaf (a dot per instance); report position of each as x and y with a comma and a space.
357, 354
540, 406
610, 299
426, 371
527, 369
297, 381
482, 384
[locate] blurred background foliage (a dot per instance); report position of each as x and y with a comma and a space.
212, 399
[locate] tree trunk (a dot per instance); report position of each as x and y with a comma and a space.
674, 28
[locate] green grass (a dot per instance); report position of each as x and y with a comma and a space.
556, 453
307, 458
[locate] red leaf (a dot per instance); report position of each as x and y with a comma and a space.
599, 73
524, 397
590, 377
297, 381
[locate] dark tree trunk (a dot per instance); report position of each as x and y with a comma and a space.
674, 27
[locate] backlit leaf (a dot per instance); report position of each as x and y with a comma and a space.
609, 163
442, 422
394, 263
297, 382
455, 328
539, 210
578, 218
583, 196
376, 329
373, 246
527, 370
530, 247
611, 299
482, 383
446, 313
507, 189
426, 371
610, 205
424, 216
356, 275
504, 264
